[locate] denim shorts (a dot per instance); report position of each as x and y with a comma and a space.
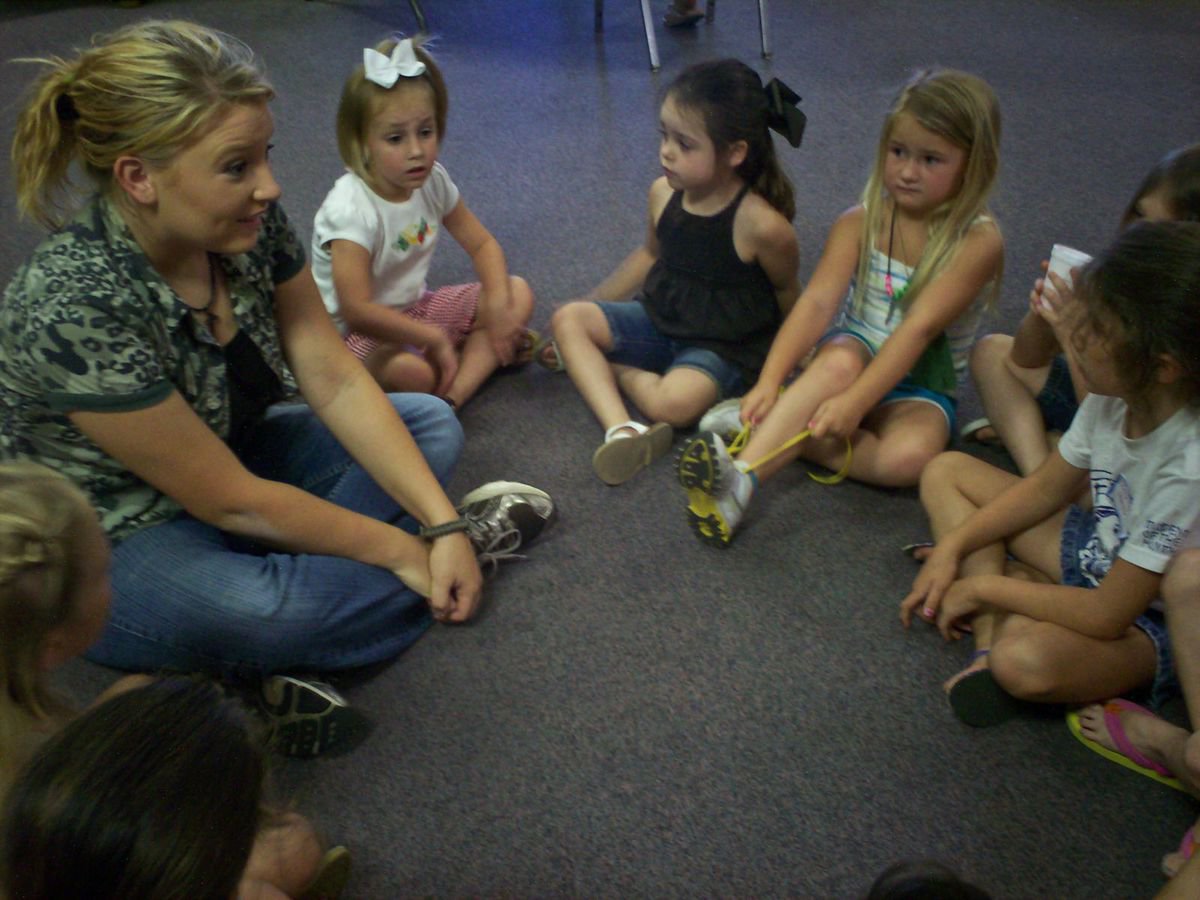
906, 390
1078, 529
1057, 399
636, 342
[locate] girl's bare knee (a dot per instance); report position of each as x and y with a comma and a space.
838, 364
1020, 667
407, 372
941, 472
989, 354
568, 318
522, 297
908, 461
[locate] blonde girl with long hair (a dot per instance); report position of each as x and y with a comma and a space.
910, 267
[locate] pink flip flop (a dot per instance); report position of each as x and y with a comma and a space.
1126, 754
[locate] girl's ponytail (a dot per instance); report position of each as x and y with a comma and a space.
773, 184
44, 146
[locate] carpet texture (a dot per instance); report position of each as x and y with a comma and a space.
635, 714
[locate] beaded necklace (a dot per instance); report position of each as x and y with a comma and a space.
894, 296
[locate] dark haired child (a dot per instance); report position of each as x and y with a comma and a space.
376, 231
111, 809
54, 603
1025, 383
710, 283
923, 880
1085, 623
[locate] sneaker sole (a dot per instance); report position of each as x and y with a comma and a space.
697, 469
619, 460
308, 736
304, 735
700, 477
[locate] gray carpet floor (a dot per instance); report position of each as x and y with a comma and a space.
635, 713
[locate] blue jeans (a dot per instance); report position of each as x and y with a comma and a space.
188, 596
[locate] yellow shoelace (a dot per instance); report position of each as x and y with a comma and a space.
738, 444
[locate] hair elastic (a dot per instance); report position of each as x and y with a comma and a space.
64, 108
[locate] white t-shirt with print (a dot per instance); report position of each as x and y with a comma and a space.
400, 237
1145, 491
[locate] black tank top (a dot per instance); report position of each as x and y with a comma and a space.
700, 293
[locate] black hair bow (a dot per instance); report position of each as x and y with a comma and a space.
783, 116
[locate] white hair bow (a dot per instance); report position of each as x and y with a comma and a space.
386, 70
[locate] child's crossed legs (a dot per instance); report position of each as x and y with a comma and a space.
1032, 660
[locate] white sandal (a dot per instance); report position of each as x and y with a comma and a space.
623, 455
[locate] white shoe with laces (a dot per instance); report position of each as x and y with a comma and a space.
504, 516
724, 419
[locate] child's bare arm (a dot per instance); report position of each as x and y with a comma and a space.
496, 313
762, 235
941, 302
1034, 344
811, 314
362, 311
1105, 612
627, 279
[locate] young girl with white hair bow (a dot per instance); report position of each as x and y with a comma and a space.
375, 233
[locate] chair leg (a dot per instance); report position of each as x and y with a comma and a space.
599, 15
765, 28
422, 25
710, 11
651, 43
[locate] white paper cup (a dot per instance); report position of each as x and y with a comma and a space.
1062, 260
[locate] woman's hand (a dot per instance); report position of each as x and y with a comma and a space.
457, 584
937, 575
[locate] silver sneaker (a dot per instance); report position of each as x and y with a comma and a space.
724, 419
505, 516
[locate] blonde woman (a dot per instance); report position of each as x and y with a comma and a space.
154, 349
